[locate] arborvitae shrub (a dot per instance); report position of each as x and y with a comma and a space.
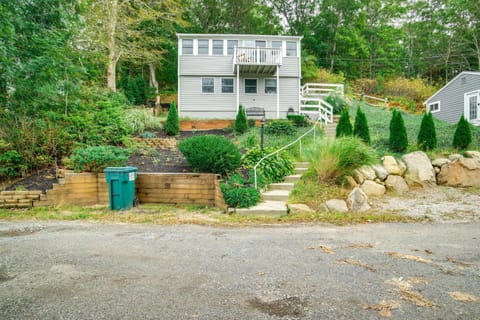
360, 128
211, 153
241, 124
398, 139
463, 134
427, 136
172, 125
344, 127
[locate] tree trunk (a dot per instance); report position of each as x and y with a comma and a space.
153, 83
112, 53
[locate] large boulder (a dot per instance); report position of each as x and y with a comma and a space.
440, 162
337, 205
367, 172
463, 172
358, 201
391, 165
373, 189
299, 208
473, 154
380, 172
396, 184
420, 171
358, 176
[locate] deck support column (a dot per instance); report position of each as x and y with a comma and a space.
238, 88
278, 92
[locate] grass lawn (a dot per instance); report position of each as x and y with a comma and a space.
379, 121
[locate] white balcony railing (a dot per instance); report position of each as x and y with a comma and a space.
257, 56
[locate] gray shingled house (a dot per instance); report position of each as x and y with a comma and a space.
218, 72
459, 96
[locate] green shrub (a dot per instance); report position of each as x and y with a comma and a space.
172, 125
210, 153
463, 134
280, 127
140, 120
11, 164
240, 197
344, 126
298, 120
427, 136
251, 123
95, 159
148, 135
334, 159
360, 128
398, 139
337, 103
272, 169
241, 124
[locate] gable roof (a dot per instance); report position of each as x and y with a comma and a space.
475, 73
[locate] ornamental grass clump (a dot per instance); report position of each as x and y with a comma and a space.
463, 134
332, 160
427, 136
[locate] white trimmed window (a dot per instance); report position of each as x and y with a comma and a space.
187, 46
227, 85
231, 44
217, 47
434, 106
291, 49
203, 47
270, 86
208, 85
250, 85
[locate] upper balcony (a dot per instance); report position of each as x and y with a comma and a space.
257, 60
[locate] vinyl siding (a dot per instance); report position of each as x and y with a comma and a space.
219, 105
452, 97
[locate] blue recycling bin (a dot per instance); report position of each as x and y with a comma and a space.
121, 186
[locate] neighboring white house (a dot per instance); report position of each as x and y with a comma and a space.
218, 72
459, 96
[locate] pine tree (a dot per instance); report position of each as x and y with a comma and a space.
241, 124
398, 139
360, 128
344, 127
427, 136
172, 125
463, 134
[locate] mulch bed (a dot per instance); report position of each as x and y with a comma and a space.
163, 160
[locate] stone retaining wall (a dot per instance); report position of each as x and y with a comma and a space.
166, 188
18, 199
160, 143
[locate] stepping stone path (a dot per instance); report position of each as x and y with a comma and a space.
277, 194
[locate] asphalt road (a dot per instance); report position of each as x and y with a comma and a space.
70, 270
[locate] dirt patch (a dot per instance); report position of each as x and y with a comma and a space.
289, 306
41, 180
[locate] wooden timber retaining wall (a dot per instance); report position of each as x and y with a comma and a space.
164, 188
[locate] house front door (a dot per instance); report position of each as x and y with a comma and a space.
472, 106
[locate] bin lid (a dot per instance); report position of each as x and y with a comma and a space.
120, 169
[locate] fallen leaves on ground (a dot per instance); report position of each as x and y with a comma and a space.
360, 246
327, 249
408, 257
357, 263
462, 263
464, 297
405, 287
384, 308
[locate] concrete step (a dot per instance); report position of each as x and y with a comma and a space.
266, 208
276, 195
281, 186
301, 170
293, 178
301, 164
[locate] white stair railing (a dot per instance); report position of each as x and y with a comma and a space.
316, 107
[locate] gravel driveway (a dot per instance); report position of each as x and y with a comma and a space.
70, 270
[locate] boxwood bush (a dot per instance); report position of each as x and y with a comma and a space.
280, 127
95, 159
211, 153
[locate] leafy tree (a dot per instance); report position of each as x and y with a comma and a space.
427, 136
360, 128
241, 124
172, 125
398, 138
463, 134
344, 126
